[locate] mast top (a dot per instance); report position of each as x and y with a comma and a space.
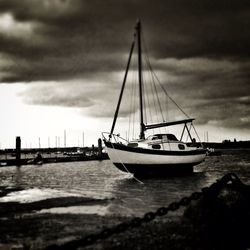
138, 25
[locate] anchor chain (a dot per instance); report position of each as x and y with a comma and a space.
210, 191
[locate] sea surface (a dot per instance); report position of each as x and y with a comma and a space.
124, 195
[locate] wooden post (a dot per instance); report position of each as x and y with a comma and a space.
99, 147
18, 150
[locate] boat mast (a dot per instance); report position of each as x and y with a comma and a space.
142, 126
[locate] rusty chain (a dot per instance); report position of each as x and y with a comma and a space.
210, 191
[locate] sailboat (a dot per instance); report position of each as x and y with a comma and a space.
157, 154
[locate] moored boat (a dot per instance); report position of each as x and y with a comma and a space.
157, 154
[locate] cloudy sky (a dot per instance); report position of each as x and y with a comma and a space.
62, 64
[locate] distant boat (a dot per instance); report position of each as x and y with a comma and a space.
38, 160
157, 154
213, 152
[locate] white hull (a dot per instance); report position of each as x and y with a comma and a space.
153, 162
126, 157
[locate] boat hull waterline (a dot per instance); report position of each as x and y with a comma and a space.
148, 162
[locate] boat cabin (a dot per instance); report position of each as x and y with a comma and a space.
167, 137
163, 142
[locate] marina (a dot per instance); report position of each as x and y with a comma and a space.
44, 156
39, 156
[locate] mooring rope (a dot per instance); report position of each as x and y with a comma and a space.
124, 165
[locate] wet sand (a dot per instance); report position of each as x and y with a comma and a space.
220, 223
26, 226
25, 229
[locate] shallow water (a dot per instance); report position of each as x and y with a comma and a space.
100, 179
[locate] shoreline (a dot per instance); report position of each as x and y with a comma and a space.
216, 219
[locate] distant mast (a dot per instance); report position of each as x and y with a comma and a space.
65, 138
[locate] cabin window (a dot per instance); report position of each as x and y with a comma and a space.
181, 146
164, 137
156, 146
132, 144
172, 137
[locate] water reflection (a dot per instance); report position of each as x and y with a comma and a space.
134, 198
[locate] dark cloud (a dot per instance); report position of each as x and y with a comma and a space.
79, 35
199, 48
227, 113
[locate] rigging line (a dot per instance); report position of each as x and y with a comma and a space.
125, 166
133, 95
144, 101
151, 80
143, 96
197, 135
188, 132
167, 111
149, 108
154, 102
167, 93
151, 72
158, 99
154, 91
147, 90
130, 108
158, 116
134, 108
153, 97
155, 87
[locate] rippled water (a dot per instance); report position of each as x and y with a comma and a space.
126, 196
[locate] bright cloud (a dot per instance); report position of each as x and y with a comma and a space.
12, 28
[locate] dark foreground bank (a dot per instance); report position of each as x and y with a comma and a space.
216, 218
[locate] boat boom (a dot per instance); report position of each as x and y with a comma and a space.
166, 124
